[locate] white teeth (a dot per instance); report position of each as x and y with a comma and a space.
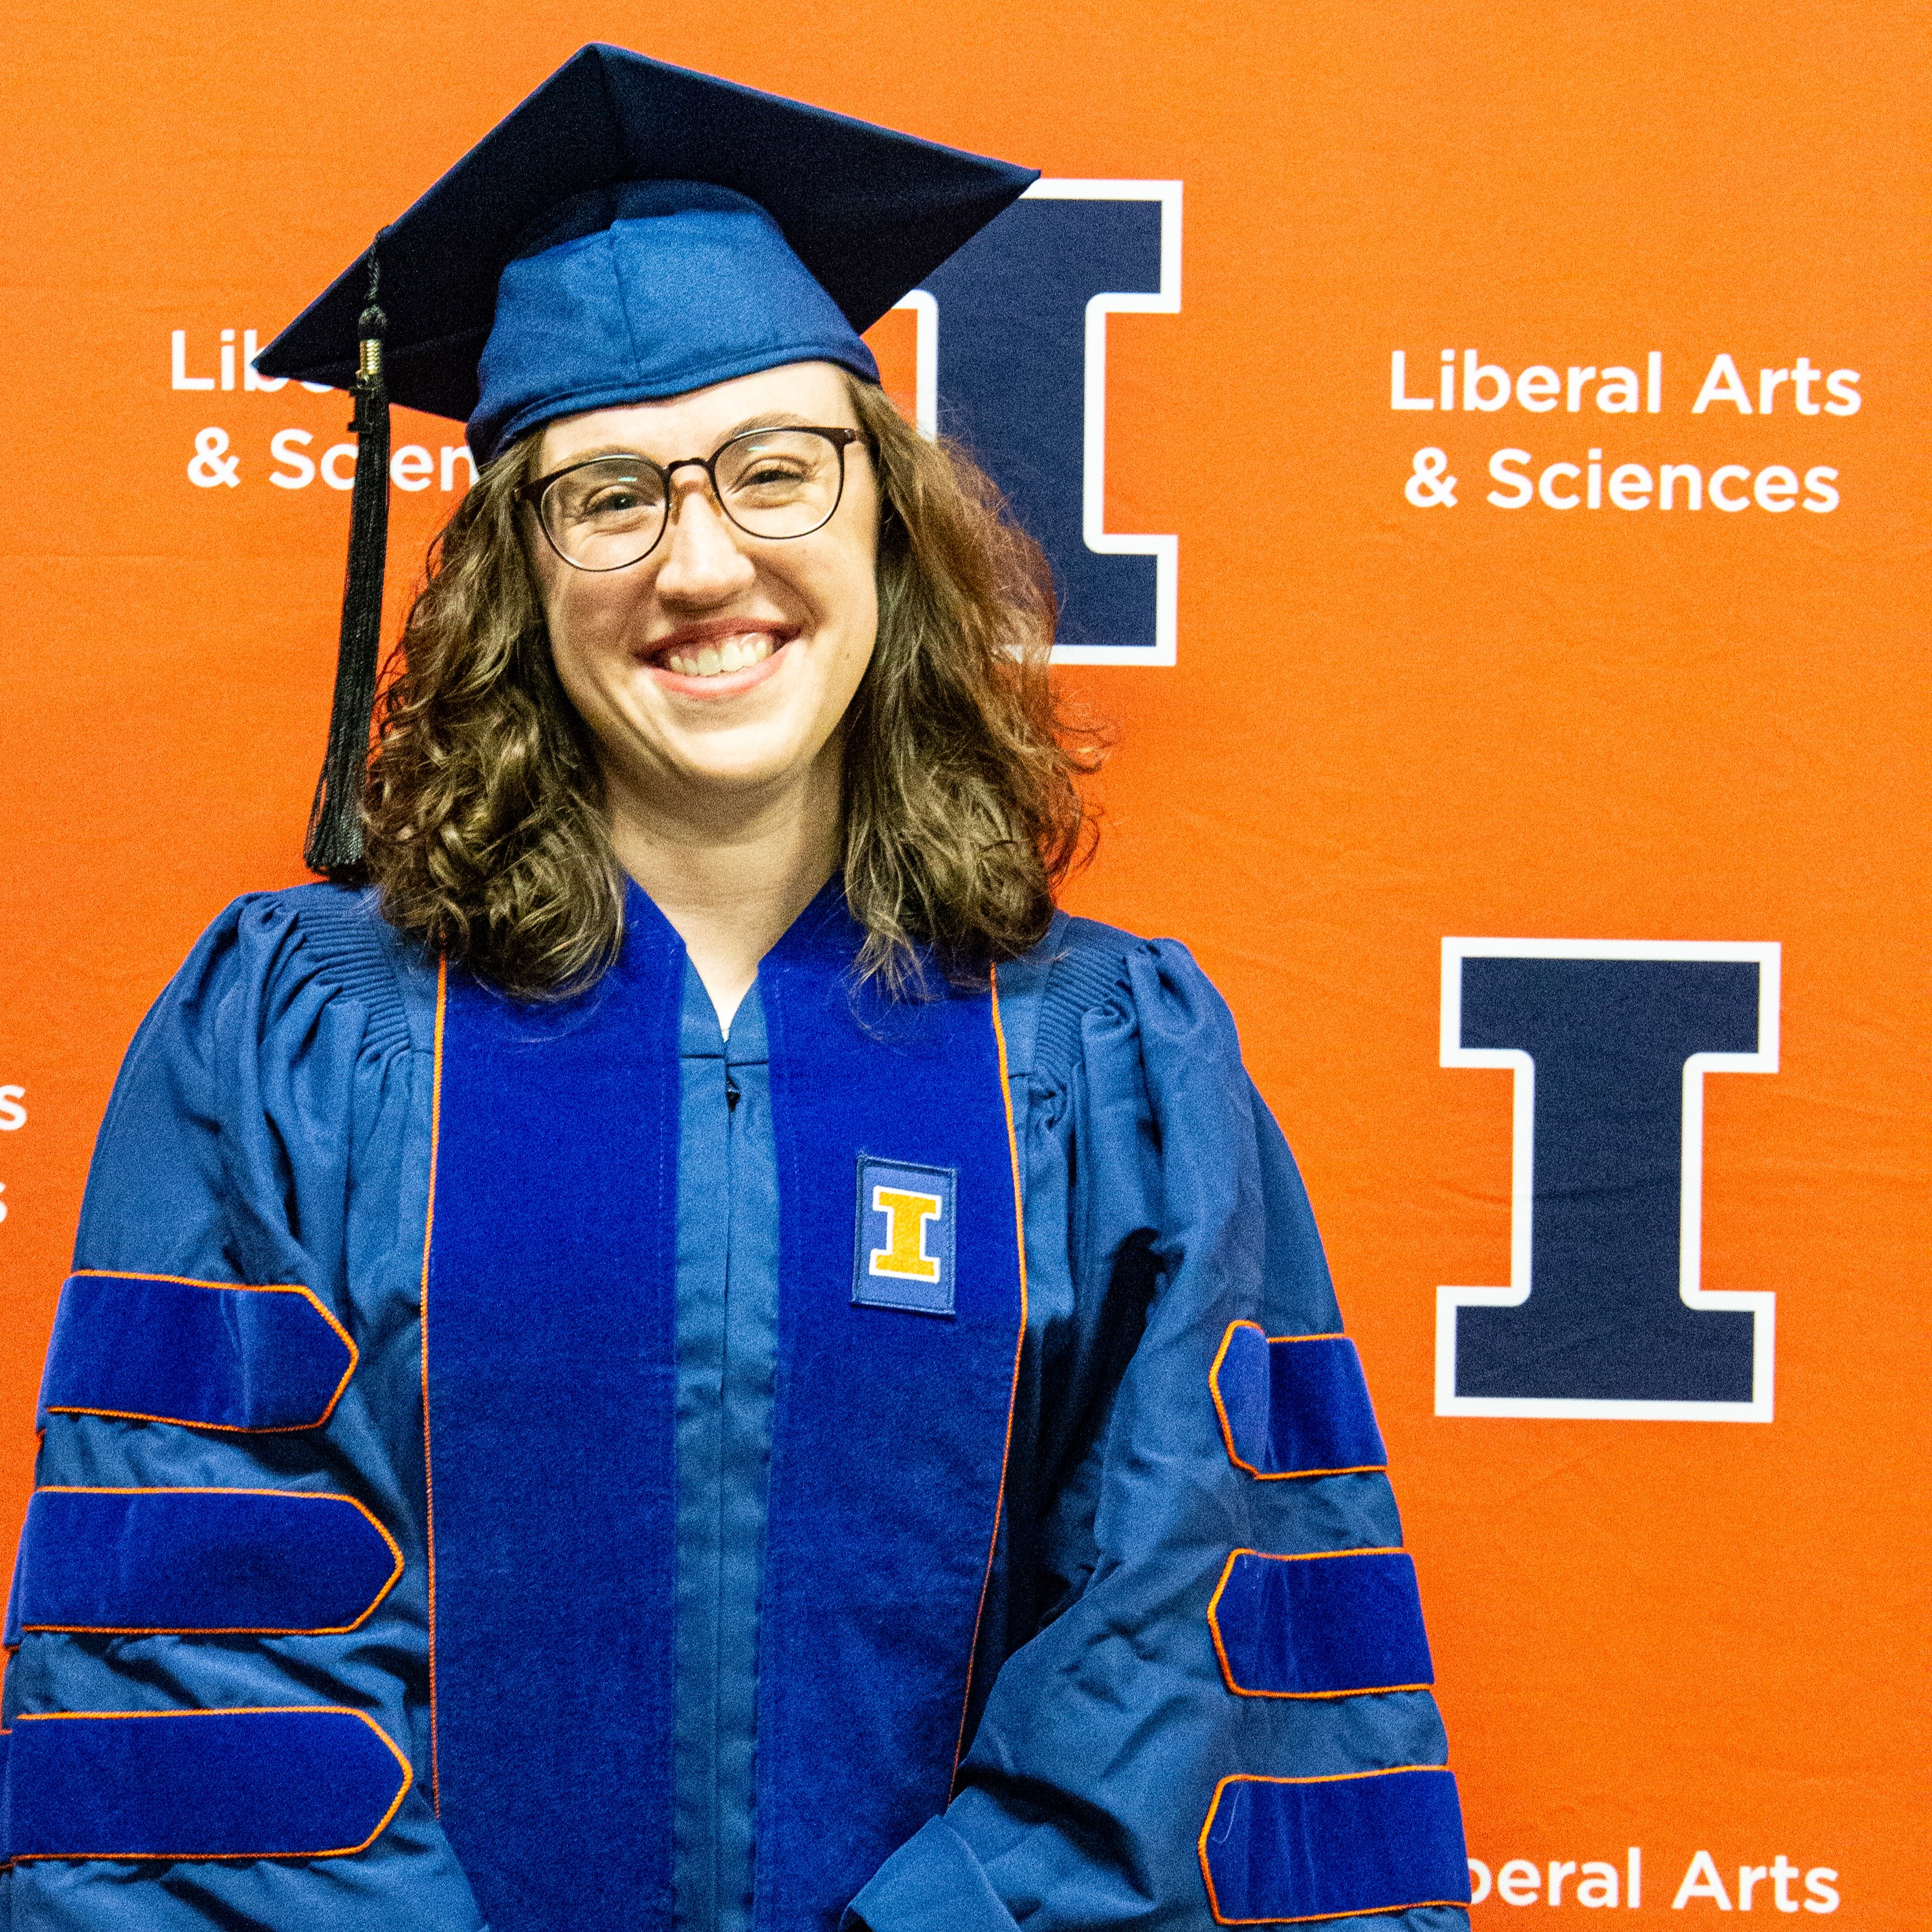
717, 660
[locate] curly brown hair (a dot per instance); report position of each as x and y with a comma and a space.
485, 826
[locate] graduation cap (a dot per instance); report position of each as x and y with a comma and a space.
631, 230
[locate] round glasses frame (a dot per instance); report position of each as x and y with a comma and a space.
536, 493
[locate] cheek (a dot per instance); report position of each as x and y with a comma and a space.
856, 587
586, 649
863, 591
858, 630
588, 619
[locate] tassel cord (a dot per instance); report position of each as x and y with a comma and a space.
334, 843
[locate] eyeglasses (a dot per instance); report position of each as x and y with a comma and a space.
610, 512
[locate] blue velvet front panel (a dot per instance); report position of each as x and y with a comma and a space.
889, 1428
551, 1397
1295, 1405
215, 1355
313, 1783
1284, 1850
1321, 1626
200, 1562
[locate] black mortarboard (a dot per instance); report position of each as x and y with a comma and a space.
631, 230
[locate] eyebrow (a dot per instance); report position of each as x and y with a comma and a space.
764, 419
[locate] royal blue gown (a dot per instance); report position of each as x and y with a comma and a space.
272, 1124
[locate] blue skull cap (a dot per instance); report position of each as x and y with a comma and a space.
650, 288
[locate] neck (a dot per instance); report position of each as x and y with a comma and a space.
731, 869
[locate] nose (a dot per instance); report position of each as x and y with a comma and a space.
704, 564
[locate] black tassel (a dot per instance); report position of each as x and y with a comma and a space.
335, 845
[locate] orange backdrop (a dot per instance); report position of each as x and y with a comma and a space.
1386, 723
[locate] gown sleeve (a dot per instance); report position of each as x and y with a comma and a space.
227, 1517
1138, 1764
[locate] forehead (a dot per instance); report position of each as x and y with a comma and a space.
693, 424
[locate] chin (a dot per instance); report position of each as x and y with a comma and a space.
756, 769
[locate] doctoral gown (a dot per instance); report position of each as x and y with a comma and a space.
1197, 1685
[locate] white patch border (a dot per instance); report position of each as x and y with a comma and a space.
1760, 1304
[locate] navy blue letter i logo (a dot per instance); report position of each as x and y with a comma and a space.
1012, 362
1606, 1314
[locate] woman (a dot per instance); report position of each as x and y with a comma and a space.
696, 1355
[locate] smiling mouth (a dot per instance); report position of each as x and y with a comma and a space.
718, 657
